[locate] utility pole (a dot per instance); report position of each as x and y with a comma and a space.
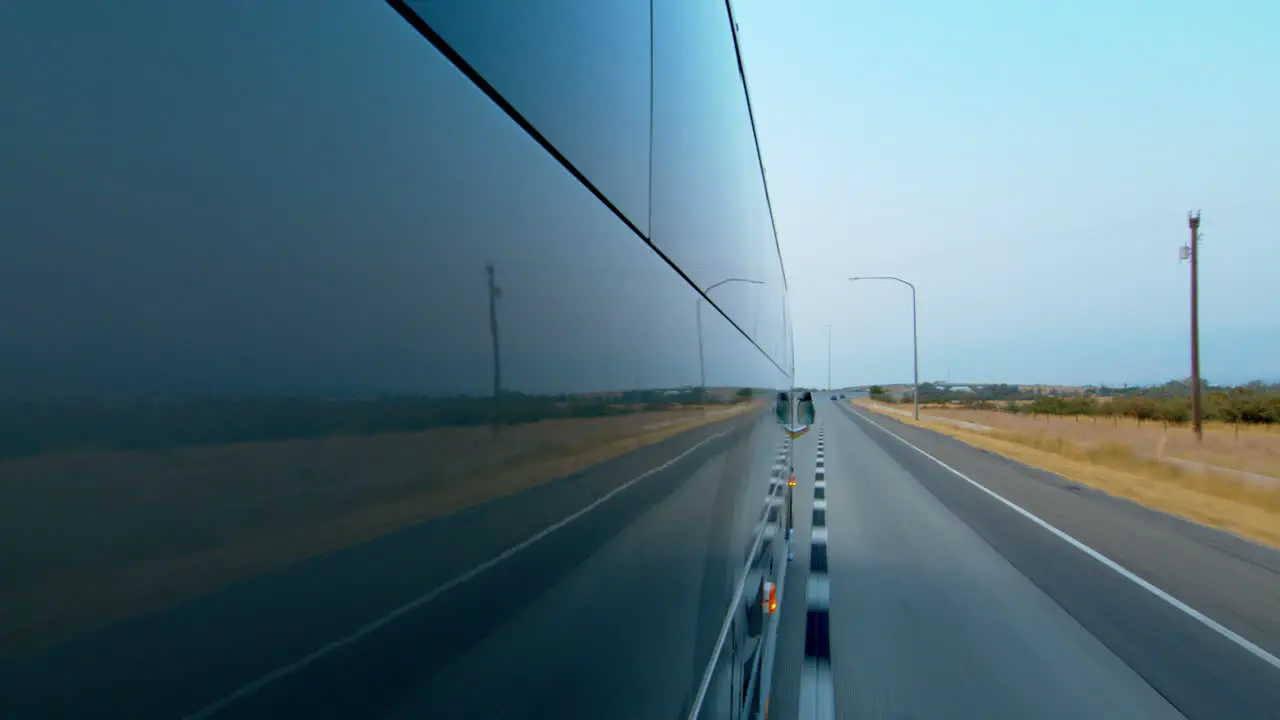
1193, 254
495, 292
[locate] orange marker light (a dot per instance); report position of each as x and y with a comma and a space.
792, 483
770, 597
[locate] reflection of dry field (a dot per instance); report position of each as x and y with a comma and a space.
1111, 458
94, 536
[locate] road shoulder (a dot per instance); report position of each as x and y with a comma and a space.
1162, 643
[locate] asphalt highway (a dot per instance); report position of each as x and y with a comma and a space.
601, 594
945, 601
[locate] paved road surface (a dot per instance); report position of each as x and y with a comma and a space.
611, 615
788, 665
947, 603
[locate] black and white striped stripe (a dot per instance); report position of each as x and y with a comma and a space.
817, 697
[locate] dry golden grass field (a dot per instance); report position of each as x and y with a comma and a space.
90, 537
1123, 460
1253, 449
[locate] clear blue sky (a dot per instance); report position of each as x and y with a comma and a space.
1029, 166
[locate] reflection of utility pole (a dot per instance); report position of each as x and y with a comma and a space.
1192, 253
495, 292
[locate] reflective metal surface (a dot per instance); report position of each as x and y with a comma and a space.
328, 390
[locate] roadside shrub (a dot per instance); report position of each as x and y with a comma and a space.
1254, 404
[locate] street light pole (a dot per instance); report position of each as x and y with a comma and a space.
702, 366
915, 357
915, 341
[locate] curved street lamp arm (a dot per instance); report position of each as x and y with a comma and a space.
886, 277
915, 339
713, 286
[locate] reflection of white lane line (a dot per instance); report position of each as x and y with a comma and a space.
1202, 618
284, 671
779, 467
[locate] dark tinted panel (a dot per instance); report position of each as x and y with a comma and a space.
251, 455
709, 207
578, 70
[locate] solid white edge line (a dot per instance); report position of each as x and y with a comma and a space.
1175, 602
250, 689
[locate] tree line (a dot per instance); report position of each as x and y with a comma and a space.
930, 393
33, 427
1256, 403
1231, 407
